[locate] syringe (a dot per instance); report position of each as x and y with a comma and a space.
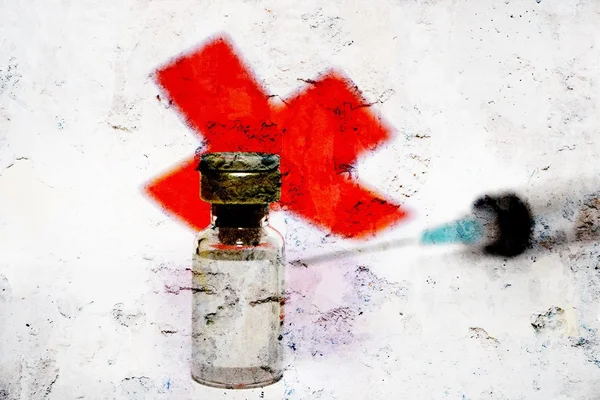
507, 224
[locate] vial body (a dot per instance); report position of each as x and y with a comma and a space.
237, 310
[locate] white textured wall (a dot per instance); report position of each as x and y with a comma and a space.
483, 94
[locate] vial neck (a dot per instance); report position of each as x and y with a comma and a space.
240, 215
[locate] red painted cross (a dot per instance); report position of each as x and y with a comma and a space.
318, 133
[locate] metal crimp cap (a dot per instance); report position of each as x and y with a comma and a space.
240, 178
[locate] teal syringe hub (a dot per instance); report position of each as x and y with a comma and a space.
466, 231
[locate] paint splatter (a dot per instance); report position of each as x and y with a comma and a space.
370, 290
136, 387
9, 76
480, 333
551, 319
312, 332
40, 376
5, 289
126, 318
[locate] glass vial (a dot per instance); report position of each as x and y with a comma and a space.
237, 290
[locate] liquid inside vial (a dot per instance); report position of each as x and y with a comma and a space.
237, 317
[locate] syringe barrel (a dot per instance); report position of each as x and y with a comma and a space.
544, 216
565, 213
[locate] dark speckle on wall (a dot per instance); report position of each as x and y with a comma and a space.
549, 320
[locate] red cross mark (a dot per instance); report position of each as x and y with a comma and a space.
318, 133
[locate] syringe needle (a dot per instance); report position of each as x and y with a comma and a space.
501, 225
381, 246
